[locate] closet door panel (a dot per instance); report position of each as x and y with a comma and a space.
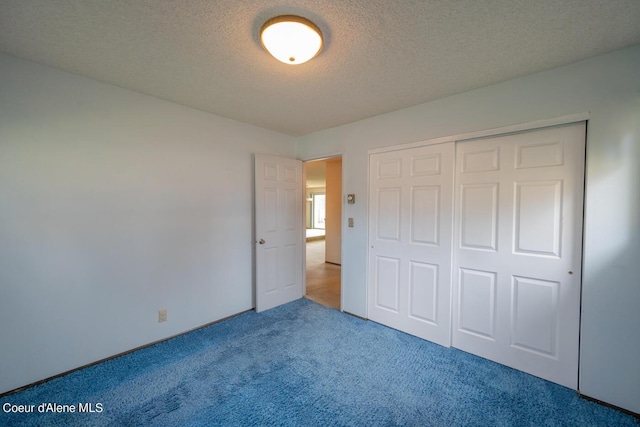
518, 233
410, 229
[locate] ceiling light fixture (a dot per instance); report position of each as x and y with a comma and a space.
291, 39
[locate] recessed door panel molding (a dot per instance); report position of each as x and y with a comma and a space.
271, 273
423, 292
479, 216
288, 265
477, 303
425, 215
389, 213
389, 168
270, 210
290, 174
480, 160
388, 283
538, 218
270, 172
534, 315
410, 221
426, 165
528, 211
290, 204
539, 154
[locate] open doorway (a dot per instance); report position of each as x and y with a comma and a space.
323, 188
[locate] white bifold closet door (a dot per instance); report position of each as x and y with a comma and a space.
411, 194
478, 245
518, 246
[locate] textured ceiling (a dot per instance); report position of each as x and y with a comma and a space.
379, 56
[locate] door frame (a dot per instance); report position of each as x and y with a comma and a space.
496, 132
503, 130
342, 213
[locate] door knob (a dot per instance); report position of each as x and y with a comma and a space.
261, 241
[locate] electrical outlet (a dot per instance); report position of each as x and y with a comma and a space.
162, 315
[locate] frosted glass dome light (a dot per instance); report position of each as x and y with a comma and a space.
291, 39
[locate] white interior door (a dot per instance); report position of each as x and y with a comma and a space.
410, 234
518, 248
279, 231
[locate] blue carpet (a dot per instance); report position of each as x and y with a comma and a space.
305, 365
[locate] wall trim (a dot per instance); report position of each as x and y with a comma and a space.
322, 157
520, 127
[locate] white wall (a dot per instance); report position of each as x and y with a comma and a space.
609, 88
114, 205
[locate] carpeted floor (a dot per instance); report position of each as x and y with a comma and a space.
304, 364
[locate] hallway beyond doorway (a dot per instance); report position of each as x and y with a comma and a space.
323, 278
315, 234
